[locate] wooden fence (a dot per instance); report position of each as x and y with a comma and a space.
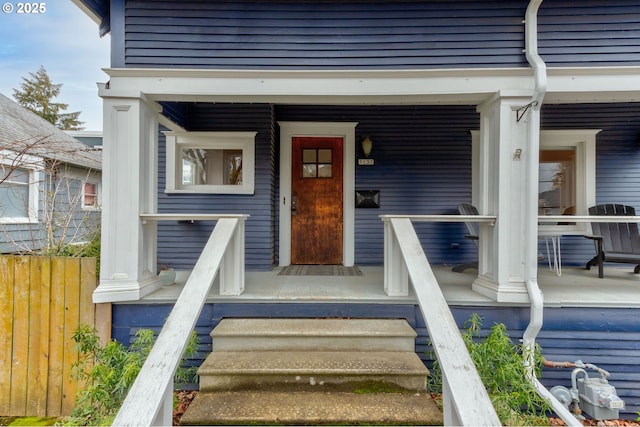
42, 302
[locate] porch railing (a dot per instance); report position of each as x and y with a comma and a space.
465, 399
150, 399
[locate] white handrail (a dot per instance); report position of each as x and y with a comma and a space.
150, 399
465, 399
489, 219
587, 218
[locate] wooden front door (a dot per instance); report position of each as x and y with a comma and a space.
316, 202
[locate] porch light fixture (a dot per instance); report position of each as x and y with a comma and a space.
367, 145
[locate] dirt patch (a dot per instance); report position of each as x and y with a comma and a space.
559, 422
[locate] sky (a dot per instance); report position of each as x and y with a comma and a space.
66, 42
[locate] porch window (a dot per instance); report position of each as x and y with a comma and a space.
18, 195
557, 182
210, 162
567, 176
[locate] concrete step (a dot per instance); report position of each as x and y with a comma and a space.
313, 334
311, 407
225, 370
304, 372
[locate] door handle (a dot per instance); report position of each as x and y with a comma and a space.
294, 204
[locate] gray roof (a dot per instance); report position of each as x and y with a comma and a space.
22, 130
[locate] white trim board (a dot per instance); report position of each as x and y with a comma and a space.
354, 87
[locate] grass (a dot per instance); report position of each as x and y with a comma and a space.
28, 421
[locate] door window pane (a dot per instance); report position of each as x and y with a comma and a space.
324, 156
308, 156
324, 171
309, 171
316, 163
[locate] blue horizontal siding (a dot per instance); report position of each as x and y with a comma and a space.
286, 34
590, 33
180, 243
606, 337
371, 35
422, 160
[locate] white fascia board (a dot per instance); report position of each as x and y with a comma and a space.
94, 17
16, 158
579, 85
330, 87
352, 87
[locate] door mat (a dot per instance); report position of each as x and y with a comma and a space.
320, 270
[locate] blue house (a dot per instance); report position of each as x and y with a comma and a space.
315, 123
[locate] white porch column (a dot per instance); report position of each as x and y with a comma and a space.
502, 190
128, 257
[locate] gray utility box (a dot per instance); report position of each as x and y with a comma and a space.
599, 399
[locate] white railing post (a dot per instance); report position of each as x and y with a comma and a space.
150, 399
232, 267
465, 399
449, 411
164, 417
396, 278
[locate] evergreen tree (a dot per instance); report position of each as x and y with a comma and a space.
37, 94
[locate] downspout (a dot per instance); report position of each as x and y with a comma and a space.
531, 216
531, 203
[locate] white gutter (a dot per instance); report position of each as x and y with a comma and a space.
531, 216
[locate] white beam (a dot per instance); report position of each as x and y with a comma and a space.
356, 87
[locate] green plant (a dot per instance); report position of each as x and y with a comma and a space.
106, 373
88, 249
500, 364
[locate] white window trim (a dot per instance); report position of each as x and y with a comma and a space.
35, 166
85, 176
244, 141
584, 142
98, 195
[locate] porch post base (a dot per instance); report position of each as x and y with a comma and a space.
511, 292
118, 290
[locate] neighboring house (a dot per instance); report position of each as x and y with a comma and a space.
91, 138
50, 184
460, 108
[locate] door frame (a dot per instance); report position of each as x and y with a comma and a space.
345, 130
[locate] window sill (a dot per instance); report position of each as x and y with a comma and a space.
211, 190
18, 221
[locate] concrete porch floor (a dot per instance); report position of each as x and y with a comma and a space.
576, 287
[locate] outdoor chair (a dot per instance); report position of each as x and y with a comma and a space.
473, 230
615, 241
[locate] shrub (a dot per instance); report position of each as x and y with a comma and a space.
107, 372
500, 364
